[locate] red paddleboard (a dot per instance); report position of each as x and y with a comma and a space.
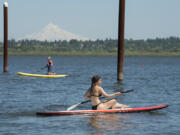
77, 112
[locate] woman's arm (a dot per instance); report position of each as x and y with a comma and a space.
108, 95
87, 94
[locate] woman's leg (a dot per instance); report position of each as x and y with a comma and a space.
106, 105
111, 104
117, 105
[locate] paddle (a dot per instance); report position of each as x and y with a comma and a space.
41, 69
83, 102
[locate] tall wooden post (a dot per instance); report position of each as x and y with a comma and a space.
121, 25
5, 37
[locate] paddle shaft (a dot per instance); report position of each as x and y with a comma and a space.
42, 68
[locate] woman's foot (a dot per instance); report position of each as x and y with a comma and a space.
125, 107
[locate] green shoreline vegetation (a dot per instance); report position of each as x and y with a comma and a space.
150, 47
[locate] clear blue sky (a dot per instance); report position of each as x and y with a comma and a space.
94, 18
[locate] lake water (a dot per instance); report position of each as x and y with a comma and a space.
156, 80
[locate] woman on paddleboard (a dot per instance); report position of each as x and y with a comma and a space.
94, 93
50, 66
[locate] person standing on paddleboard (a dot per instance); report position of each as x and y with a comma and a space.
50, 66
94, 93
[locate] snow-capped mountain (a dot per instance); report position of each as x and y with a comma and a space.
52, 32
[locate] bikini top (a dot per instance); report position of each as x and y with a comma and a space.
96, 96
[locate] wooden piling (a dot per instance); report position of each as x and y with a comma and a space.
121, 25
5, 37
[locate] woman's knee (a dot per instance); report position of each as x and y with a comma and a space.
114, 101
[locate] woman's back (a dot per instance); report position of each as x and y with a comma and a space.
94, 95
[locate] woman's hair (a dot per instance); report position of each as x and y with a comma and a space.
94, 80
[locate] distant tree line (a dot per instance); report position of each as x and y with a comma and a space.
108, 46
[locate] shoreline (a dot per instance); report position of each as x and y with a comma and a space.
140, 54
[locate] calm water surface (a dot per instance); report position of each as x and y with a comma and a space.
156, 80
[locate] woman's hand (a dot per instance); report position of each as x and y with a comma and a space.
118, 93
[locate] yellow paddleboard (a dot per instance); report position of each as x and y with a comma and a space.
39, 75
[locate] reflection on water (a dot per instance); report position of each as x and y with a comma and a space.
108, 122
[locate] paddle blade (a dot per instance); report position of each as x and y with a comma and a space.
73, 106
